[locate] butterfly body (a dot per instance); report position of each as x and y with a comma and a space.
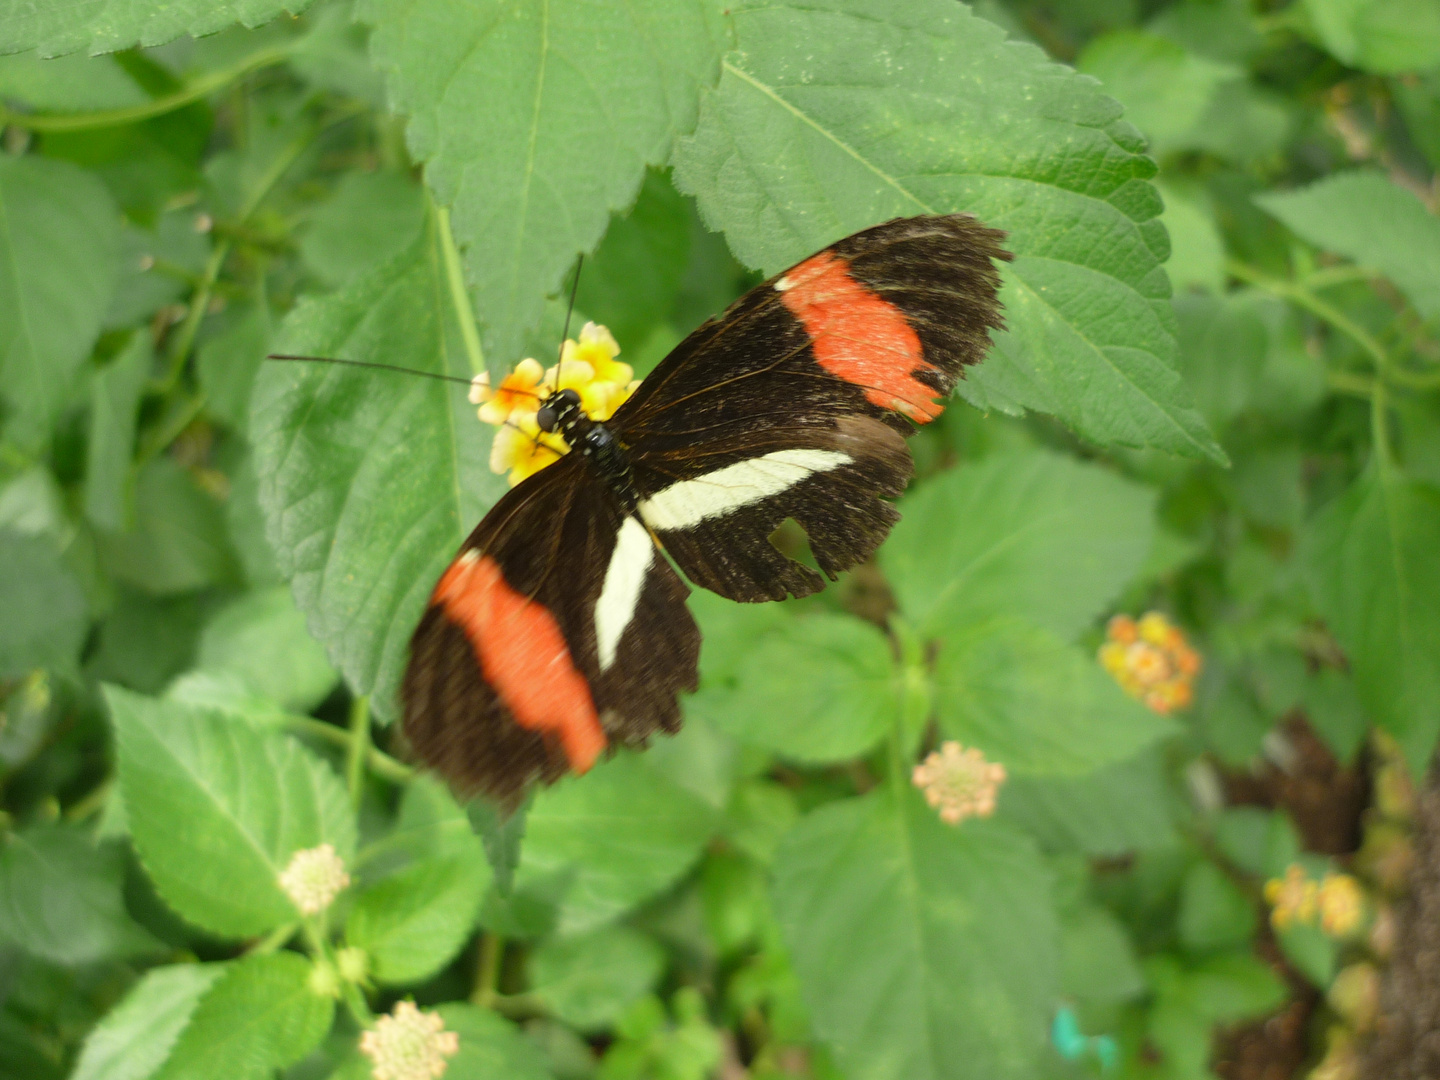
560, 628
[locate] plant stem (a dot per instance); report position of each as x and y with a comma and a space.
379, 762
201, 87
356, 747
1303, 297
487, 970
273, 940
1380, 425
459, 294
1346, 382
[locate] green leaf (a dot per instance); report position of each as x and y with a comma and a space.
1223, 345
814, 689
369, 481
59, 247
69, 84
1107, 813
217, 808
1098, 964
60, 898
115, 393
1333, 709
525, 138
490, 1047
1387, 36
827, 120
227, 363
1036, 704
1190, 1002
178, 543
1165, 88
413, 922
262, 638
135, 1037
619, 834
1366, 217
1032, 534
110, 25
146, 641
590, 980
258, 1017
922, 950
501, 835
1370, 561
371, 217
1197, 253
45, 620
1214, 913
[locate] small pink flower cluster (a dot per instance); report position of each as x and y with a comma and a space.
409, 1045
959, 783
1151, 660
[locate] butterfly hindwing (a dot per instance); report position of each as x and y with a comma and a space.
553, 635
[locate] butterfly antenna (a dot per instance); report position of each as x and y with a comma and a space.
382, 367
570, 310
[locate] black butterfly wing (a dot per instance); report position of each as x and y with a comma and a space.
557, 632
793, 403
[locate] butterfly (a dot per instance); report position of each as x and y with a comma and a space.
560, 629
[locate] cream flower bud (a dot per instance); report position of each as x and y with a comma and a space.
409, 1045
959, 783
313, 878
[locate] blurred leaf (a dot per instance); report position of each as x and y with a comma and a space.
115, 393
332, 54
760, 813
1418, 100
369, 481
45, 618
178, 542
631, 282
1165, 89
1243, 123
826, 121
589, 980
814, 689
247, 527
413, 922
1223, 344
621, 833
59, 245
1197, 254
110, 25
68, 84
1223, 30
923, 950
1370, 561
1222, 990
730, 631
490, 1047
226, 364
1314, 954
1366, 217
1036, 704
521, 136
1033, 534
372, 217
1332, 707
1097, 961
1270, 488
1387, 36
501, 835
1118, 809
135, 1037
259, 1016
1260, 842
217, 808
431, 823
156, 266
699, 757
146, 641
1214, 913
60, 898
262, 638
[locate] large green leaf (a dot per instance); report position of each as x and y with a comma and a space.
1033, 534
136, 1036
617, 836
261, 637
57, 26
44, 619
368, 480
589, 980
1363, 216
60, 898
1389, 36
490, 1046
923, 951
259, 1016
59, 242
833, 116
535, 121
217, 808
1370, 558
115, 395
815, 689
1035, 703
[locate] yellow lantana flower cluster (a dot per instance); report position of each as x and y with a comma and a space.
1151, 660
587, 366
1337, 902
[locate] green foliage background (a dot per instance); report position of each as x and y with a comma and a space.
1216, 395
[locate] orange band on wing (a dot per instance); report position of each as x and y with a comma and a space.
523, 655
859, 337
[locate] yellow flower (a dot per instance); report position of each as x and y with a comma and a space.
521, 390
1293, 899
597, 348
1151, 660
1341, 903
959, 783
522, 449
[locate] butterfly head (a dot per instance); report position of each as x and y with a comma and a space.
559, 412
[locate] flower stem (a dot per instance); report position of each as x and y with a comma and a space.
487, 970
459, 294
357, 745
1303, 297
379, 762
273, 940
